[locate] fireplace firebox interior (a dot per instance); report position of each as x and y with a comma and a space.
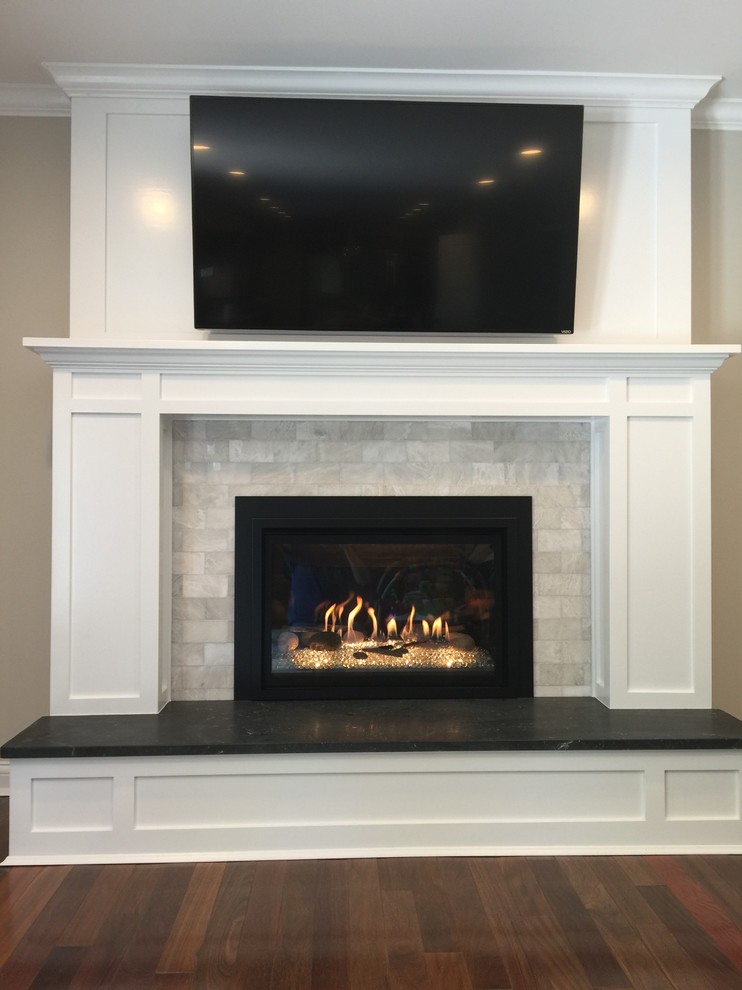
385, 597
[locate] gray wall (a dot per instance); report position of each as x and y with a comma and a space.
34, 294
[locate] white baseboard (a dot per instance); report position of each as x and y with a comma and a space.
4, 778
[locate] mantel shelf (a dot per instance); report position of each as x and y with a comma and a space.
388, 358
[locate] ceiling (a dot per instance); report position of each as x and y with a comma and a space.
684, 37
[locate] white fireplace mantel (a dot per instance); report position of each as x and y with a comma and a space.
416, 356
114, 401
118, 387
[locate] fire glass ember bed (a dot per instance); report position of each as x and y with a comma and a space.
383, 597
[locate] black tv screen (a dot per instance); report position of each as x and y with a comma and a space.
384, 215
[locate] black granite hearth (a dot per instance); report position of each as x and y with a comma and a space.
192, 728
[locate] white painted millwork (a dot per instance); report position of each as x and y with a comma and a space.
114, 401
178, 808
134, 363
131, 269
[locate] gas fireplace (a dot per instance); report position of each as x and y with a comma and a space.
383, 597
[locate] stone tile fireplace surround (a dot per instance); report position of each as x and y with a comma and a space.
621, 493
216, 460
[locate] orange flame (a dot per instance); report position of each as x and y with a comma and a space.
373, 620
330, 614
341, 608
426, 629
437, 628
352, 636
407, 632
391, 627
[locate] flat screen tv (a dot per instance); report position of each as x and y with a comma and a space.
384, 215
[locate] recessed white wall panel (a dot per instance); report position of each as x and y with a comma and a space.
702, 795
330, 395
372, 804
105, 571
660, 556
148, 226
81, 804
108, 387
617, 259
659, 390
378, 798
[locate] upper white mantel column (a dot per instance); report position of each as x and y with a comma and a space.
113, 401
131, 260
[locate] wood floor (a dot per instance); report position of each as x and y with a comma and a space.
652, 923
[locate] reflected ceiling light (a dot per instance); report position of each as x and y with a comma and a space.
485, 182
588, 204
158, 208
236, 171
530, 152
202, 147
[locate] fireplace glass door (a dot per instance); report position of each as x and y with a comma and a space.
383, 597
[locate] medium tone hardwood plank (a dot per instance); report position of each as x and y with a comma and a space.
172, 981
85, 924
155, 922
517, 946
624, 941
432, 906
189, 929
699, 902
368, 965
25, 891
583, 935
472, 935
611, 874
404, 945
447, 971
722, 885
29, 955
60, 967
218, 958
331, 961
705, 960
259, 936
116, 937
292, 960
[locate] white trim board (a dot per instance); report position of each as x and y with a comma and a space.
298, 806
178, 81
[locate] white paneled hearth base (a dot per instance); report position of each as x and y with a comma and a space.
114, 404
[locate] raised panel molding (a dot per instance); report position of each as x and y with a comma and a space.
176, 809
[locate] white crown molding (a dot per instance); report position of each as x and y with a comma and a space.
33, 100
718, 115
4, 778
320, 358
178, 81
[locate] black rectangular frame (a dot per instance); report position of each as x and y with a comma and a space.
259, 518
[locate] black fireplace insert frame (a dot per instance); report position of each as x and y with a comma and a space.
503, 520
